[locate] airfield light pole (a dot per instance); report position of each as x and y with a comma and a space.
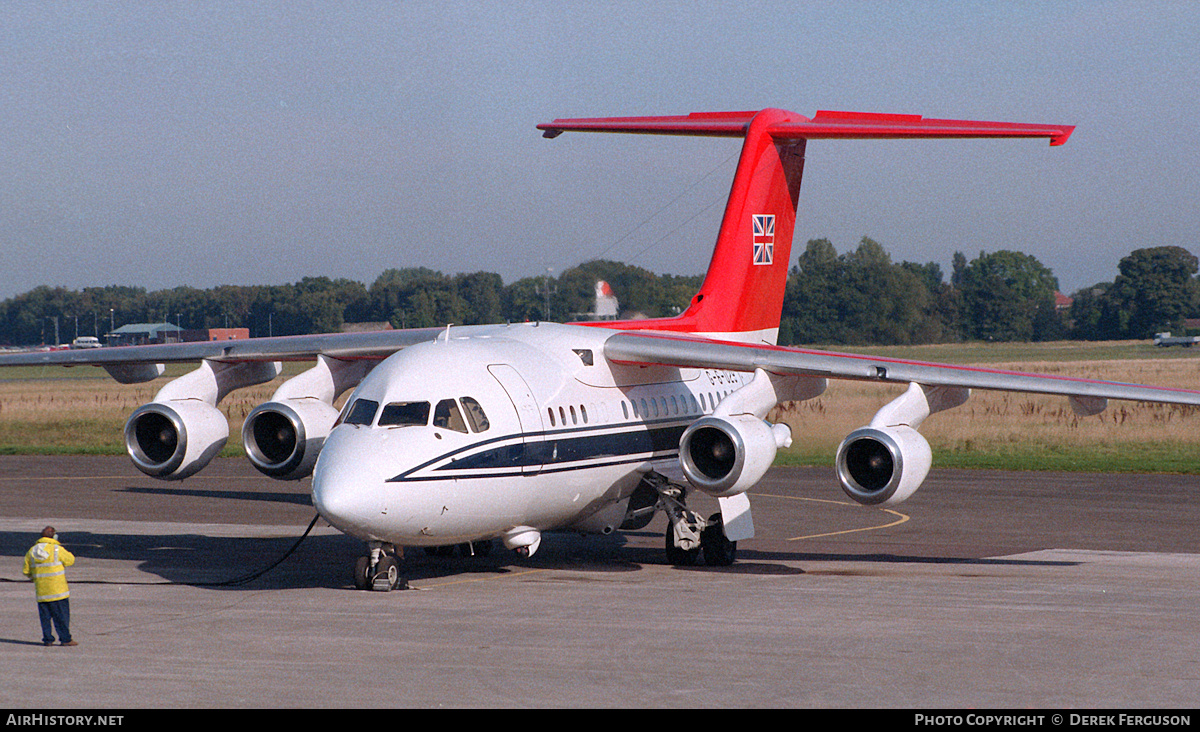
547, 291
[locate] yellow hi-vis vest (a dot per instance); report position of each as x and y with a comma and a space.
47, 564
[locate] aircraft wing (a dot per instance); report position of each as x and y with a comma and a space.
347, 346
675, 350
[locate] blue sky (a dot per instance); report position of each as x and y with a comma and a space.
203, 143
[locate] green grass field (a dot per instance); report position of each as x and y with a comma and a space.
54, 410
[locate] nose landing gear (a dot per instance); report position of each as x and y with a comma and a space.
379, 571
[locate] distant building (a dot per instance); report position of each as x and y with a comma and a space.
1062, 302
366, 327
140, 334
216, 334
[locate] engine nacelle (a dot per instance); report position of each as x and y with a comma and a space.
283, 438
882, 466
173, 440
725, 456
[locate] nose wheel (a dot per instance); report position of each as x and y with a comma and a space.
380, 570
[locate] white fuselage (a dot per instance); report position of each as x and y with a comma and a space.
493, 428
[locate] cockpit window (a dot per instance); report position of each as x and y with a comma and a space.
399, 414
446, 415
362, 412
475, 415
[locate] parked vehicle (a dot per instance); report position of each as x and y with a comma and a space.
1166, 339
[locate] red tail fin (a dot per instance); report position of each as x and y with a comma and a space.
742, 295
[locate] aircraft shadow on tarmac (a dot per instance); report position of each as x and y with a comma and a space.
324, 560
204, 561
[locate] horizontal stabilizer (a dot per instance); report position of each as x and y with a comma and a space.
894, 126
824, 125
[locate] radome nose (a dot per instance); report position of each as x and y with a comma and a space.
332, 499
335, 500
345, 486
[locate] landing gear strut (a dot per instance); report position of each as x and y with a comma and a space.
689, 536
380, 570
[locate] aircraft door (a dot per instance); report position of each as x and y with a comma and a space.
528, 453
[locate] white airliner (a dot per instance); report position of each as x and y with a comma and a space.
468, 434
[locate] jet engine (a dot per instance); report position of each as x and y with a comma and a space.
282, 438
179, 432
173, 441
883, 465
725, 456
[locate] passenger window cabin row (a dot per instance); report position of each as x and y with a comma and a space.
575, 416
643, 408
671, 406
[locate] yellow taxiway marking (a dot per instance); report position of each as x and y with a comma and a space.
901, 517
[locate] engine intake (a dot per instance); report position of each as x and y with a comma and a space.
282, 439
725, 456
883, 465
175, 440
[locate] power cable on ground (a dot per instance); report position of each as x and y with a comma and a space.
245, 579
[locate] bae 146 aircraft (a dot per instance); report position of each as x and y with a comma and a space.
471, 434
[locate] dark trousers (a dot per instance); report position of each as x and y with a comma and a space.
58, 613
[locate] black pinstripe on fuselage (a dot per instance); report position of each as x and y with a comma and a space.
554, 451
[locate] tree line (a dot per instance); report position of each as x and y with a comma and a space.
858, 297
414, 297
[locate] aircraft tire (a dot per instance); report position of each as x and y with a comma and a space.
718, 550
387, 574
679, 557
362, 569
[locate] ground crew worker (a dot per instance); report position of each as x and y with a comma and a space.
45, 564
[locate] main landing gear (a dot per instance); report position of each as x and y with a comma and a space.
380, 570
689, 536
